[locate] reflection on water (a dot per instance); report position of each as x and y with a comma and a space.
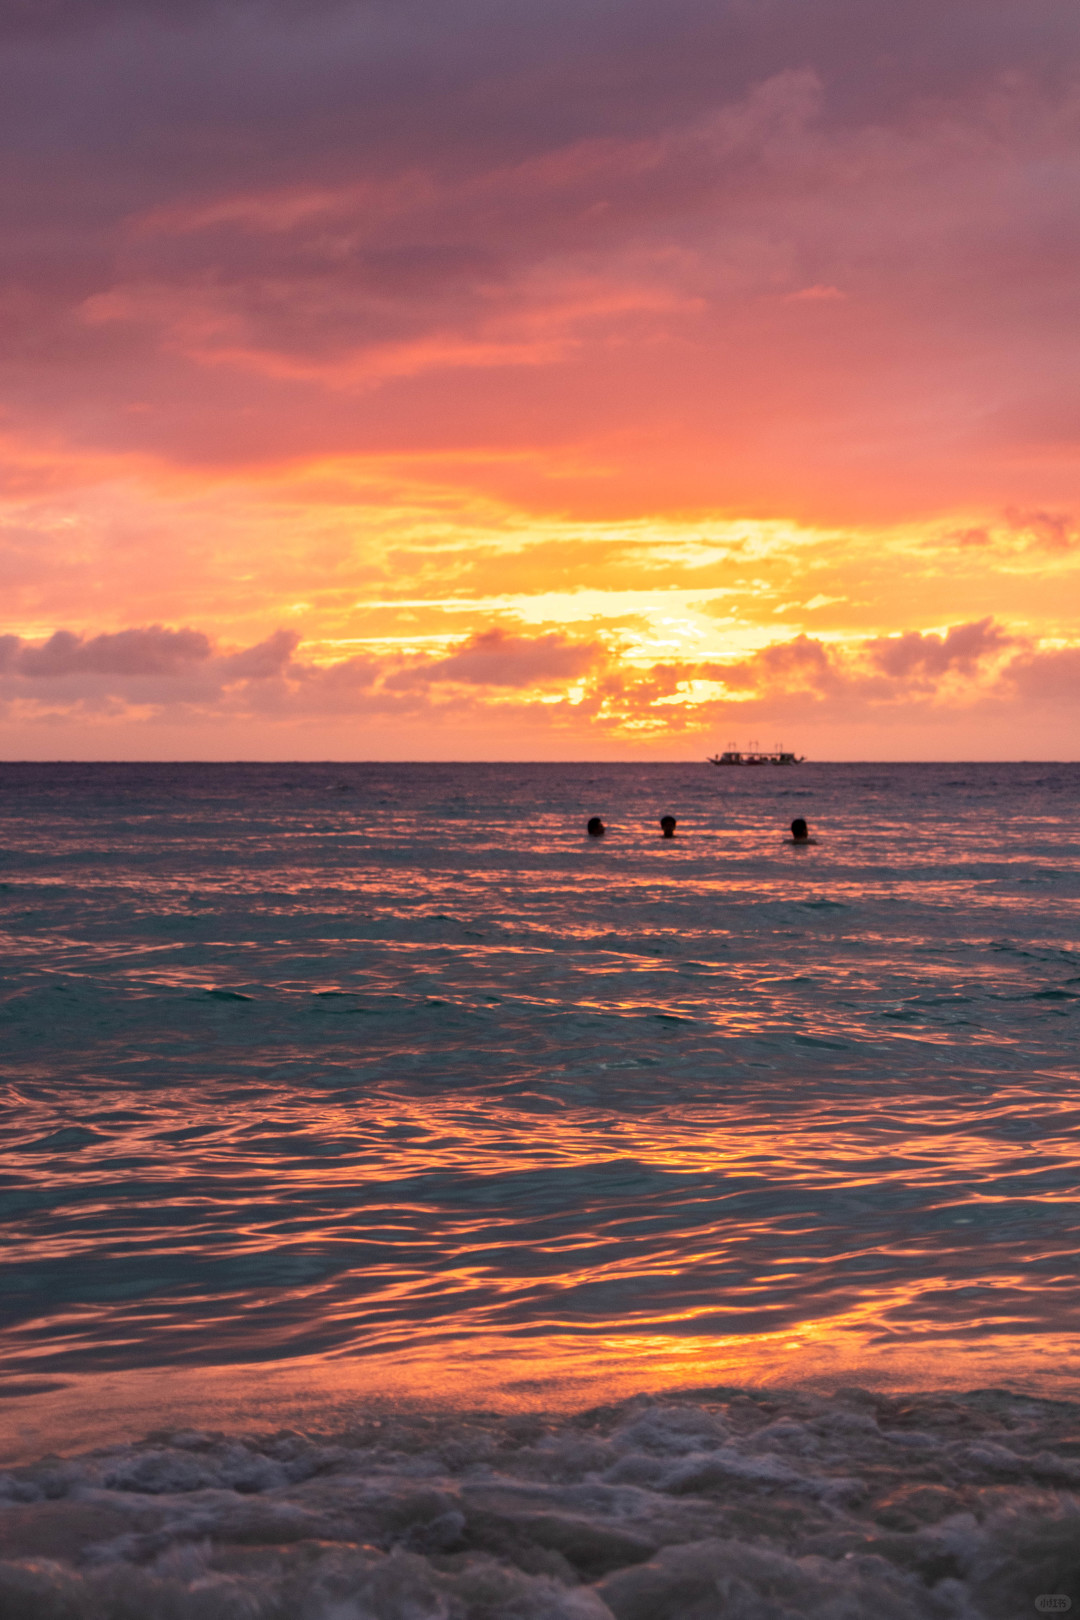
390, 1075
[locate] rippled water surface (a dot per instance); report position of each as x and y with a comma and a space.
387, 1078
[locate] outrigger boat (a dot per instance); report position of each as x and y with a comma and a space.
756, 756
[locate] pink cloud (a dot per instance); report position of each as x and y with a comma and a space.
495, 658
308, 270
267, 659
173, 670
1049, 676
797, 225
1049, 531
960, 648
153, 651
803, 664
182, 671
969, 663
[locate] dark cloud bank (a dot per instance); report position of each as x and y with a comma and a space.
210, 203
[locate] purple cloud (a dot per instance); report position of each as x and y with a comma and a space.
215, 211
916, 654
495, 658
803, 664
1051, 676
265, 660
153, 651
181, 675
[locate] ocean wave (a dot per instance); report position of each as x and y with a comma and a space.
712, 1505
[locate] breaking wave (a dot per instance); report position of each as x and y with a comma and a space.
719, 1505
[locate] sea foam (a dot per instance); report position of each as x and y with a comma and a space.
717, 1505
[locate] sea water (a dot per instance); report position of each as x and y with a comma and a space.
346, 1095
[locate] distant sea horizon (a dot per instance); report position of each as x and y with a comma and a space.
688, 760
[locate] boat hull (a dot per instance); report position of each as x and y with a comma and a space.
750, 760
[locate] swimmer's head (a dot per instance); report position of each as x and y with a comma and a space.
667, 826
798, 830
596, 828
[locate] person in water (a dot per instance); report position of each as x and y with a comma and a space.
668, 825
800, 833
596, 828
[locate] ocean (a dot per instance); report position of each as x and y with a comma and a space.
371, 1129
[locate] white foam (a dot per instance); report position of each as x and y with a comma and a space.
730, 1508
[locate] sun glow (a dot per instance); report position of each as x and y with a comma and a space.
552, 436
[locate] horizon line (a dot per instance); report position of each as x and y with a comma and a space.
590, 763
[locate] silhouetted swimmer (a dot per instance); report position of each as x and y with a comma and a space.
596, 828
667, 826
800, 833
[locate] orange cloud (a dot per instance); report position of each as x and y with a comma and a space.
173, 672
605, 373
494, 658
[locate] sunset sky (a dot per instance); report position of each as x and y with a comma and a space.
447, 379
